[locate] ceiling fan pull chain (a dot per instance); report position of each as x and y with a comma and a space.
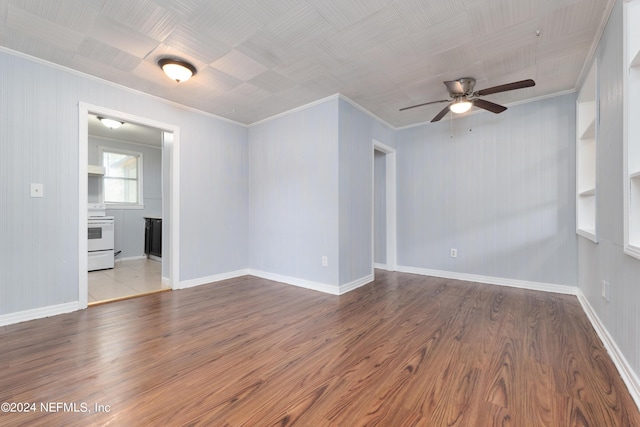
451, 122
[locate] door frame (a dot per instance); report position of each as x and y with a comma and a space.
172, 149
390, 203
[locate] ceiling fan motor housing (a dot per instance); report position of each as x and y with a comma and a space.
461, 87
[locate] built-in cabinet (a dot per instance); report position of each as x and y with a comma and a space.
586, 156
632, 129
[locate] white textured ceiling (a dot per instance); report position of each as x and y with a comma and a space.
258, 58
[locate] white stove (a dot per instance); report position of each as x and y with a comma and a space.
100, 234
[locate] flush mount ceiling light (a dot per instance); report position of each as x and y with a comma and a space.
110, 123
177, 70
460, 105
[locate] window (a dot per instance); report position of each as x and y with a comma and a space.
122, 182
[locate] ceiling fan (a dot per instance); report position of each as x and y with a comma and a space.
463, 97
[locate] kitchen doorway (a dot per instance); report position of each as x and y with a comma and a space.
145, 152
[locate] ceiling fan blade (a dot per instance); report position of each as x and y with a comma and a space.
441, 114
489, 106
426, 103
503, 88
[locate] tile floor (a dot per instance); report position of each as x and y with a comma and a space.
128, 278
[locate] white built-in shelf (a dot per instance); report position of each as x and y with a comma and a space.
586, 153
632, 128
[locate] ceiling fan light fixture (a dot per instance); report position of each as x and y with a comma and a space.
461, 105
177, 70
110, 123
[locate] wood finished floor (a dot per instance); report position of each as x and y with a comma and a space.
405, 350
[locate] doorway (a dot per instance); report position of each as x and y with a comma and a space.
384, 206
135, 271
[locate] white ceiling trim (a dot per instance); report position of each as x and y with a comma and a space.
364, 110
293, 110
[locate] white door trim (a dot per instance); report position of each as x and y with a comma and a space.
174, 193
390, 191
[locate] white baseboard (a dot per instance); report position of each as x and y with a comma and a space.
209, 279
343, 289
165, 281
132, 258
38, 313
624, 368
302, 283
514, 283
381, 266
307, 284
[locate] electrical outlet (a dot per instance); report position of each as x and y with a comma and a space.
325, 261
453, 253
605, 290
37, 190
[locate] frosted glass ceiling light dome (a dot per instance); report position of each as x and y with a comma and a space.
110, 123
460, 105
177, 70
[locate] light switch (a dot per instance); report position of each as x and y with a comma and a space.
37, 190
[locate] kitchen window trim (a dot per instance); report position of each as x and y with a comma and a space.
139, 167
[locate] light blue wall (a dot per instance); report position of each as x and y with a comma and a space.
606, 259
213, 197
39, 144
379, 210
501, 192
310, 181
357, 131
293, 201
129, 223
